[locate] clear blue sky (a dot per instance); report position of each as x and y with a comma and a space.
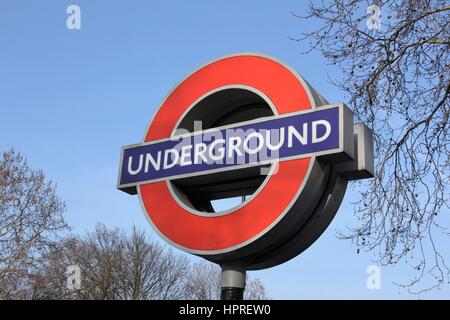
69, 99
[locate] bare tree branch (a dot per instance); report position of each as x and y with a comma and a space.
396, 78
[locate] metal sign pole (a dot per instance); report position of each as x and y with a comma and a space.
233, 281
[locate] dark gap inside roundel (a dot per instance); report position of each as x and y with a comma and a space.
218, 109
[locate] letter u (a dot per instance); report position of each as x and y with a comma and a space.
130, 165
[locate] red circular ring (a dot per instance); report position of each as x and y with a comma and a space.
216, 234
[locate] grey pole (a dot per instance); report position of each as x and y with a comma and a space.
233, 281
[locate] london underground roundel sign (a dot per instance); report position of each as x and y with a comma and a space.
245, 125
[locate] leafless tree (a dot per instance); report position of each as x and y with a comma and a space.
48, 280
255, 290
203, 283
152, 272
396, 79
113, 266
31, 222
35, 251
